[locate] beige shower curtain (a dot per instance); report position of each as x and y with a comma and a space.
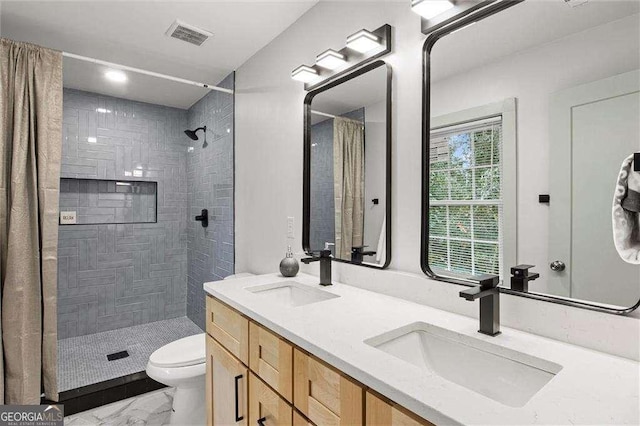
348, 185
31, 132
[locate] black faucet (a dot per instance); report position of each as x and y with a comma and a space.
520, 277
489, 296
324, 257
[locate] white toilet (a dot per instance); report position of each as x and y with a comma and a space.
182, 364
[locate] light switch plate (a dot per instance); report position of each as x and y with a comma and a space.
290, 227
68, 218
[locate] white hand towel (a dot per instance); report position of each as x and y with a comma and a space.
626, 205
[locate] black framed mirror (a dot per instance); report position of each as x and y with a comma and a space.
523, 135
347, 167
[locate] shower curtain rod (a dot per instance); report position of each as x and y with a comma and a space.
324, 114
145, 72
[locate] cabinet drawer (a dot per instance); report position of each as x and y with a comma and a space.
270, 357
266, 408
322, 394
299, 420
226, 387
383, 413
229, 328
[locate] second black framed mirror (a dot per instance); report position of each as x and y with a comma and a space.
347, 167
526, 135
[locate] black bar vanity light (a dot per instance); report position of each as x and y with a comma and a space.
437, 14
331, 60
429, 9
304, 73
363, 41
361, 47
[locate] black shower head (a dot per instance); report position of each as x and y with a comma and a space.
192, 133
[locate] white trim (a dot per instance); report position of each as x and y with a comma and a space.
145, 72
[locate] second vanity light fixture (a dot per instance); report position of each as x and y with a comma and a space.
430, 8
361, 47
437, 14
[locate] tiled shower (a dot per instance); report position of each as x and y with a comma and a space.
135, 259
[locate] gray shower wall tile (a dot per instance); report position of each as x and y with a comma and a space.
210, 181
113, 276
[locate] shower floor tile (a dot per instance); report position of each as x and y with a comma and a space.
83, 360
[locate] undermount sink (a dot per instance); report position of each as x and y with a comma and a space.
509, 377
290, 293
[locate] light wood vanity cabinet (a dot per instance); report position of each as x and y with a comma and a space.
381, 412
226, 387
266, 407
229, 328
255, 377
270, 358
324, 395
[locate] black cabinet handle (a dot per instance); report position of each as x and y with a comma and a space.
238, 416
261, 421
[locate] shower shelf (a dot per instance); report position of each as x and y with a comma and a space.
108, 201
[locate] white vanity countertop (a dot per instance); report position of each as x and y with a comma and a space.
591, 388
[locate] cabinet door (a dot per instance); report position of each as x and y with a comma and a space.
383, 413
322, 394
229, 328
266, 408
226, 387
270, 357
299, 420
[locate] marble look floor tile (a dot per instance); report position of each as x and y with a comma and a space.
150, 409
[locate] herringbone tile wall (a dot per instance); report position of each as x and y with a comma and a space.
210, 183
114, 276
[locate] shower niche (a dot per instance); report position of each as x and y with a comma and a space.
101, 201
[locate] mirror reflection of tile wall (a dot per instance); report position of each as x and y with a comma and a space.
354, 109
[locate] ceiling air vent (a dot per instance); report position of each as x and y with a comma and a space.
188, 33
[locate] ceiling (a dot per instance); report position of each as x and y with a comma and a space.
132, 33
521, 27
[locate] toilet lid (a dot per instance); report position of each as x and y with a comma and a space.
181, 353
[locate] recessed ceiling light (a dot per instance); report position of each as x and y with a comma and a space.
430, 8
363, 41
116, 75
330, 59
304, 73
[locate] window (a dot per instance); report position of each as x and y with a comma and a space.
466, 211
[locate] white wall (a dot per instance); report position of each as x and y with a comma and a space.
269, 130
269, 175
531, 77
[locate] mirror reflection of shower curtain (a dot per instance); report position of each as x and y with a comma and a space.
348, 183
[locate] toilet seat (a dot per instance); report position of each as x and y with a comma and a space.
185, 352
